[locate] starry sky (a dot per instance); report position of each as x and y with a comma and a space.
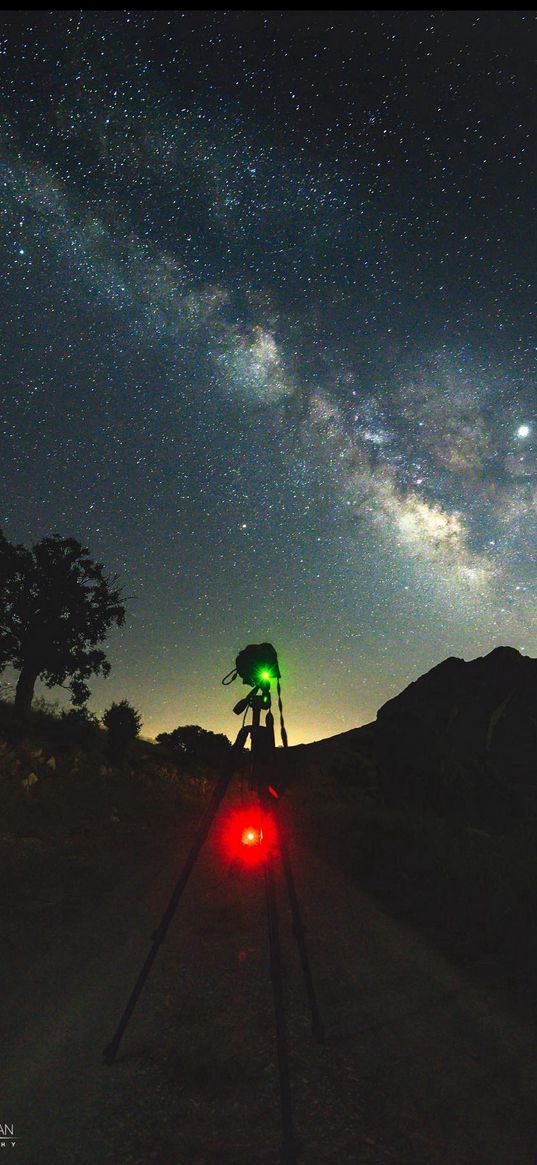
269, 343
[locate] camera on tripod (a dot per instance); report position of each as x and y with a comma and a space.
257, 664
260, 840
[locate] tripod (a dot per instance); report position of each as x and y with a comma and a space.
263, 755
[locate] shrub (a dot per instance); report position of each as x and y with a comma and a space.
123, 723
196, 749
79, 727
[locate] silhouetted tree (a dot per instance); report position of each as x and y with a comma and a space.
123, 723
196, 748
56, 604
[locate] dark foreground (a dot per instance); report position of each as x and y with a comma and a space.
419, 1067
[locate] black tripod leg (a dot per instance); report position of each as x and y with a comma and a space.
288, 1147
299, 933
110, 1051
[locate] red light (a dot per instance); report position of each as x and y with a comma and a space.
247, 835
252, 836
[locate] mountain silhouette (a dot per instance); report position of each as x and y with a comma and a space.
461, 740
466, 733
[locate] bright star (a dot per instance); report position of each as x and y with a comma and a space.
523, 431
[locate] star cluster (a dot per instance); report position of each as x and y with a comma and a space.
270, 346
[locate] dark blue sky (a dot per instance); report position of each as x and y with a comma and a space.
269, 343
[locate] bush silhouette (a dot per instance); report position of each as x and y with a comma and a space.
79, 727
195, 748
123, 723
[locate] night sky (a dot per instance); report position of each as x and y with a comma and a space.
269, 343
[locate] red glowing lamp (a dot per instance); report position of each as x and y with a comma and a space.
248, 834
252, 835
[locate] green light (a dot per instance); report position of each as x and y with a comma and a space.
264, 675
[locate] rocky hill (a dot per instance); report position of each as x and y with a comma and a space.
461, 739
464, 732
433, 808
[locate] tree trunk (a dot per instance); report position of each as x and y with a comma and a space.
25, 689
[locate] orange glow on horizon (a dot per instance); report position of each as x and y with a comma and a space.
299, 733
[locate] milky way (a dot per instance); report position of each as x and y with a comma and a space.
269, 343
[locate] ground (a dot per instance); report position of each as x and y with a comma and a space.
419, 1067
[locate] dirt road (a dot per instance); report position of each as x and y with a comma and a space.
418, 1068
